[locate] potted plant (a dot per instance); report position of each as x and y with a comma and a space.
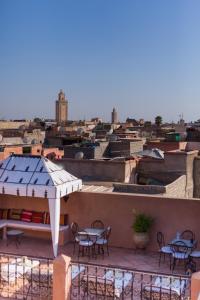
141, 227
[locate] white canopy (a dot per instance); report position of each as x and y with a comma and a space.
36, 176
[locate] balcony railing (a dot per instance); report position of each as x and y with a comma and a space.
94, 282
25, 277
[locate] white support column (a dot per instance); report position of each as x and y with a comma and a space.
54, 210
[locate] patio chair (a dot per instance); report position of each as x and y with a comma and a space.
187, 235
97, 224
103, 241
86, 244
163, 249
180, 253
74, 229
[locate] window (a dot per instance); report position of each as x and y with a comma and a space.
21, 179
27, 168
6, 179
36, 180
47, 181
13, 168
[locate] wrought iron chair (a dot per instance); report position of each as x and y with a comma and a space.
86, 243
187, 235
180, 253
163, 249
103, 241
74, 229
97, 224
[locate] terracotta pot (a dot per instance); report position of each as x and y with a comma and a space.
141, 239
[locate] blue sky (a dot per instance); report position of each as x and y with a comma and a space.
141, 56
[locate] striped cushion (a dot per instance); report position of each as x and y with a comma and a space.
38, 217
47, 218
26, 216
15, 214
63, 220
5, 213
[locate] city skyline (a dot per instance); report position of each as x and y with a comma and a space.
141, 57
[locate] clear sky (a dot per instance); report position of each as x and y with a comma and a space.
141, 56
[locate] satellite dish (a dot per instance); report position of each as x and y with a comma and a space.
25, 140
34, 142
79, 155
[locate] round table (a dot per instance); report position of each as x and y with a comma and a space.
15, 236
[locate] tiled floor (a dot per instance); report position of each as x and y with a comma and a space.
140, 260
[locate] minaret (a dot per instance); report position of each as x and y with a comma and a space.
61, 108
114, 118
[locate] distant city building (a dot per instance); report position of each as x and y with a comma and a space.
61, 108
114, 117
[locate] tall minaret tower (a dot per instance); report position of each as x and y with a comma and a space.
114, 118
61, 108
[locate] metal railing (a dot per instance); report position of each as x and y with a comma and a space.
89, 281
24, 277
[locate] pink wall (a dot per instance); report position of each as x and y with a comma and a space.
115, 209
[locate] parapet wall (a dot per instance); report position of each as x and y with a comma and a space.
103, 170
116, 209
175, 189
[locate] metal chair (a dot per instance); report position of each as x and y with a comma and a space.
97, 224
193, 256
180, 253
163, 249
103, 241
187, 235
74, 229
86, 243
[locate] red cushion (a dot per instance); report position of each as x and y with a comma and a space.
26, 216
47, 218
38, 217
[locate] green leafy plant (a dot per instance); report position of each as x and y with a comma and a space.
142, 223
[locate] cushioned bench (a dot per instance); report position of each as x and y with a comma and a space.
29, 226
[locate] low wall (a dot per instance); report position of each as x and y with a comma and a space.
116, 209
166, 146
174, 189
117, 171
139, 189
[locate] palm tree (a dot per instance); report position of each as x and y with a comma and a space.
158, 120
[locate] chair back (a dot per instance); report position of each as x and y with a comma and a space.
160, 239
180, 247
188, 235
74, 228
107, 233
97, 224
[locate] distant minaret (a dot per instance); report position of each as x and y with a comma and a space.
61, 108
114, 118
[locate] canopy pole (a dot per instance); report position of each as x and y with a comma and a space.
54, 210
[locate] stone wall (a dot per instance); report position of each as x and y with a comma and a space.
197, 177
124, 147
175, 164
103, 170
166, 146
176, 189
13, 125
92, 152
